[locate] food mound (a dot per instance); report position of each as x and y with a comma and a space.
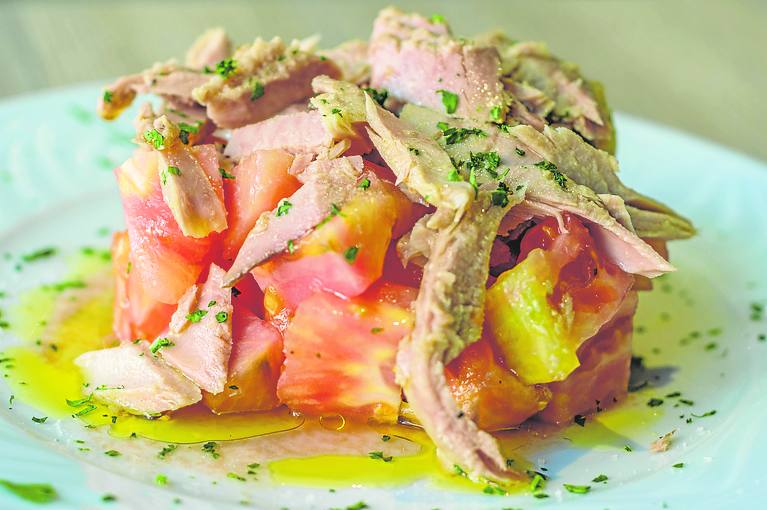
419, 227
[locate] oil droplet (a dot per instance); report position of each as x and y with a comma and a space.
333, 422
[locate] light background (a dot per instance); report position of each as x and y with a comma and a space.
700, 65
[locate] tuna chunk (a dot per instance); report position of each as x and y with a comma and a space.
422, 167
200, 334
328, 184
209, 49
167, 80
523, 145
130, 376
419, 62
297, 133
352, 58
573, 101
342, 106
449, 313
263, 79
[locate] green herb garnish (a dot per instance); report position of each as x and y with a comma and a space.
42, 253
256, 90
577, 489
226, 67
351, 254
284, 207
161, 343
222, 317
196, 316
449, 100
32, 492
378, 455
379, 96
154, 138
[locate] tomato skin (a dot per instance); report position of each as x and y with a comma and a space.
261, 180
340, 354
488, 392
136, 315
603, 376
345, 255
164, 259
254, 366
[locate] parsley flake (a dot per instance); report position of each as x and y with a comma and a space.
226, 67
284, 207
379, 455
600, 478
364, 183
160, 343
577, 489
449, 100
256, 90
196, 316
32, 492
351, 254
379, 96
154, 138
222, 317
454, 135
225, 174
108, 96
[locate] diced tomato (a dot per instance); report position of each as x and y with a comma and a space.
408, 212
488, 392
260, 181
603, 375
560, 293
254, 366
344, 256
136, 315
165, 261
340, 354
395, 272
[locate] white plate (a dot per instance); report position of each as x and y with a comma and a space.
56, 188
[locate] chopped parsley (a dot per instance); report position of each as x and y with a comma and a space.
579, 419
226, 68
222, 317
161, 480
655, 402
32, 492
483, 161
454, 135
39, 420
627, 448
459, 470
212, 302
454, 176
42, 253
167, 450
519, 152
112, 453
284, 207
160, 343
500, 196
495, 113
449, 100
79, 402
558, 176
196, 316
678, 465
291, 247
154, 138
437, 18
379, 96
336, 111
379, 455
256, 90
225, 174
375, 331
385, 438
414, 151
577, 489
364, 183
705, 415
211, 448
351, 254
108, 96
600, 478
108, 498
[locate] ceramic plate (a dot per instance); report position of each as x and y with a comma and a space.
698, 332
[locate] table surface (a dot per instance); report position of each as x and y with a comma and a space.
700, 65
